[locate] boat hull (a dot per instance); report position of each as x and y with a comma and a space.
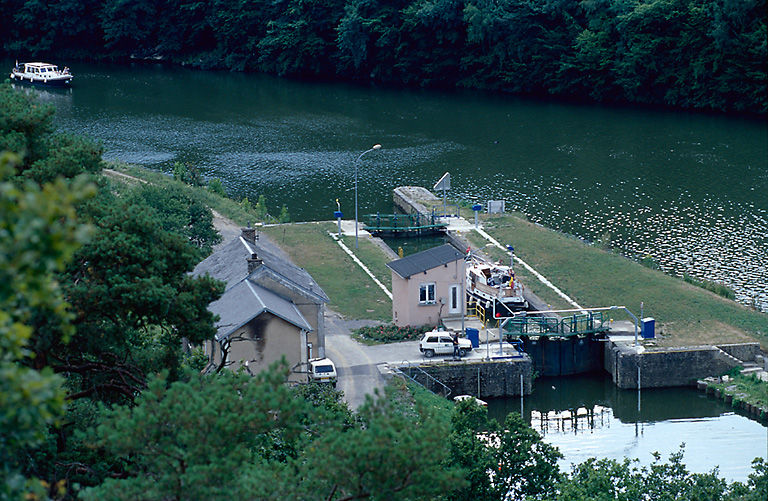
65, 81
497, 307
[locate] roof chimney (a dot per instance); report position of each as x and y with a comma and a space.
249, 234
254, 262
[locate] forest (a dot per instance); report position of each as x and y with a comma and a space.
102, 394
708, 55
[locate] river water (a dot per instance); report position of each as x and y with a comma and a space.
713, 434
689, 190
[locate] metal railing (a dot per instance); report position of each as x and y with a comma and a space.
398, 370
402, 223
578, 324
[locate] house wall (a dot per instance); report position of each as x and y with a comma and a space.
263, 341
406, 309
311, 311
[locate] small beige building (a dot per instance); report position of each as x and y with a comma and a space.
270, 308
428, 287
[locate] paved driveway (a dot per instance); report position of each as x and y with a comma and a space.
357, 364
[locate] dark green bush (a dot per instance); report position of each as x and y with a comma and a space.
391, 333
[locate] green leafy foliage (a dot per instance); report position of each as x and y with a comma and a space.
598, 479
187, 173
26, 128
216, 186
397, 452
391, 333
180, 213
256, 438
509, 461
708, 55
38, 235
194, 439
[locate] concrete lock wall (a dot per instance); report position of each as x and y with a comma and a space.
664, 368
496, 378
746, 352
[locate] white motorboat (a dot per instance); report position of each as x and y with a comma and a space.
42, 74
495, 288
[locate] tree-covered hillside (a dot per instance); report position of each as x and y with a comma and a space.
695, 54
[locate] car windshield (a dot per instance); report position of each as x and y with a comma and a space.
323, 368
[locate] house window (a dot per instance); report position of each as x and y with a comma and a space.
454, 299
427, 294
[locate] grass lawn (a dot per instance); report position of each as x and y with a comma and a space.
374, 258
685, 314
350, 289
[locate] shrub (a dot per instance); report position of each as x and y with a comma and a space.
391, 333
216, 186
717, 288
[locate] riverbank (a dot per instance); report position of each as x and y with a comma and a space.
748, 392
685, 314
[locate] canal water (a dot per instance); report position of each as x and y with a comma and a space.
689, 190
610, 423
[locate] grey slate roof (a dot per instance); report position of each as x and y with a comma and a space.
425, 260
229, 265
245, 301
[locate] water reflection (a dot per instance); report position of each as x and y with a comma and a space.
587, 416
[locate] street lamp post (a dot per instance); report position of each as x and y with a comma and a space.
375, 147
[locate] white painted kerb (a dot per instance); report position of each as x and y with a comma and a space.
360, 264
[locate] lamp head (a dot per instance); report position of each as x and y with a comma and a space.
376, 147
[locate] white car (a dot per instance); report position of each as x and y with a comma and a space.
441, 343
322, 370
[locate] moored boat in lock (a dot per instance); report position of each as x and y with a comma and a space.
494, 287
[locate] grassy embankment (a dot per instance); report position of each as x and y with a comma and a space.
225, 206
686, 315
739, 390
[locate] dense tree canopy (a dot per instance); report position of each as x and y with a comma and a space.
697, 54
102, 316
98, 401
38, 234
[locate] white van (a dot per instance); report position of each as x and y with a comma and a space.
441, 343
322, 370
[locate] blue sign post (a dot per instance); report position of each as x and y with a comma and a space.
338, 215
477, 208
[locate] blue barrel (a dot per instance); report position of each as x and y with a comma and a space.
474, 336
649, 328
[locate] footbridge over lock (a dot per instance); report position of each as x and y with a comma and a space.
559, 345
